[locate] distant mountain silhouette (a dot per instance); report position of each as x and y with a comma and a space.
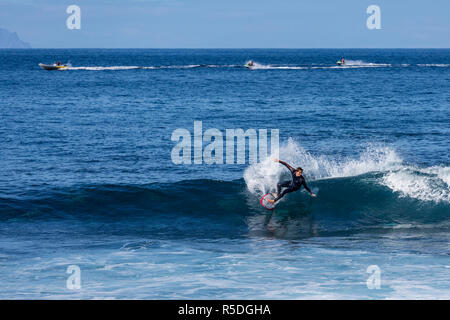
11, 40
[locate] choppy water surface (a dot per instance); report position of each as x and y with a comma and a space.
86, 176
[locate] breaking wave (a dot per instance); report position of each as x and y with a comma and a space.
388, 168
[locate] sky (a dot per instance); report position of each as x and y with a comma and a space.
229, 23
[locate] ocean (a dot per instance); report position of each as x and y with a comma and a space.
92, 205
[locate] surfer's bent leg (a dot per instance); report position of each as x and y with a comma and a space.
283, 193
282, 185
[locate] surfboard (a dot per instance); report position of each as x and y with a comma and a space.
266, 204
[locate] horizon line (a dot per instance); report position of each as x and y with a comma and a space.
233, 48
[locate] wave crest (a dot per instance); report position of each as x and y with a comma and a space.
430, 184
427, 184
262, 177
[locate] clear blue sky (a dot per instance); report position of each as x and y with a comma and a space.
229, 23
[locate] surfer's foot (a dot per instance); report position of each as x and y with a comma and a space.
270, 201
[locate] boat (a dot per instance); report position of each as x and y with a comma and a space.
54, 66
341, 62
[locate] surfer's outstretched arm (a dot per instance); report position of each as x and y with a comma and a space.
291, 169
308, 189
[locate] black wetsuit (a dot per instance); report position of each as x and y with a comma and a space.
290, 186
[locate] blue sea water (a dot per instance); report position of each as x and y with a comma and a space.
87, 179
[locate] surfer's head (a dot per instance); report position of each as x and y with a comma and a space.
298, 171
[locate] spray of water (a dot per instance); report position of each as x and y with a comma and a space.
426, 184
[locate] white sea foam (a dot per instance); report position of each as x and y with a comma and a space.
441, 65
104, 68
190, 66
257, 66
348, 64
429, 184
101, 68
361, 63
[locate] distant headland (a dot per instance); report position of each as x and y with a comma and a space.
10, 40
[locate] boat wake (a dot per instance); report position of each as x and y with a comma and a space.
349, 64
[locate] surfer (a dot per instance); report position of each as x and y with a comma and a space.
290, 186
